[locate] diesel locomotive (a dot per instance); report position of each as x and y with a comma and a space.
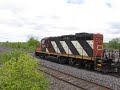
82, 49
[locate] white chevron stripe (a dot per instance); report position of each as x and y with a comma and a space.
47, 50
55, 47
90, 42
66, 48
79, 48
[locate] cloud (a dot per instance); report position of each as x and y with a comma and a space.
114, 28
75, 1
44, 18
115, 25
109, 4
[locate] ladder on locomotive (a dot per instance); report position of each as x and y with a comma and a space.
102, 64
98, 62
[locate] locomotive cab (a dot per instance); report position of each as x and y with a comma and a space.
98, 45
40, 47
38, 50
103, 60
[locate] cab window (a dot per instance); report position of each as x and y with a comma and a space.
43, 42
99, 38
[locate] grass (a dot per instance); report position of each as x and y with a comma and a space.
30, 45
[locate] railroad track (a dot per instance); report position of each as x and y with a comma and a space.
77, 82
110, 74
115, 75
72, 80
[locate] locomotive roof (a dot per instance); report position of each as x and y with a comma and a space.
79, 35
62, 36
67, 35
83, 33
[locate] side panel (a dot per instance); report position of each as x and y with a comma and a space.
51, 46
73, 47
80, 45
66, 48
86, 47
55, 46
79, 48
60, 46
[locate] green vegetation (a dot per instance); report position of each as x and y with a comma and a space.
7, 56
30, 45
113, 44
106, 45
19, 71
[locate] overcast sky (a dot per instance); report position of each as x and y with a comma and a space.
43, 18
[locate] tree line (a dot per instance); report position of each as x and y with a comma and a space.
113, 44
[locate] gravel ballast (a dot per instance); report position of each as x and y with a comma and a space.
105, 80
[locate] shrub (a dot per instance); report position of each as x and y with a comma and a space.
114, 43
21, 73
6, 56
32, 43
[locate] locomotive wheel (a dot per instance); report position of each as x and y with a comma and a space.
46, 57
60, 60
63, 60
81, 65
41, 56
71, 62
91, 66
36, 54
87, 65
104, 71
66, 60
